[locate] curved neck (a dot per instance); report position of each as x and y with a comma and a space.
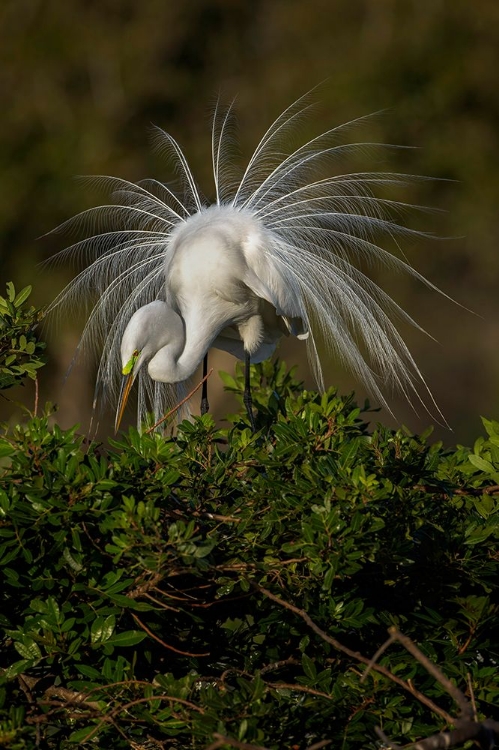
198, 340
199, 327
175, 364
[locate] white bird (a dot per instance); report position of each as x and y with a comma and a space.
221, 290
273, 255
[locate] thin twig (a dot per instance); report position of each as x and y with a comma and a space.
384, 739
166, 645
465, 707
26, 683
298, 689
358, 657
120, 709
71, 697
472, 696
161, 604
216, 516
279, 664
35, 409
143, 588
490, 489
485, 733
376, 656
120, 683
181, 403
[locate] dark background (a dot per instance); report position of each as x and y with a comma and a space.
82, 81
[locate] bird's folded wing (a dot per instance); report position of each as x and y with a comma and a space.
268, 280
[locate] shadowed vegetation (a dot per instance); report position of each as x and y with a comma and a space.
219, 588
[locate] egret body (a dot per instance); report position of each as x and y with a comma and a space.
220, 292
276, 254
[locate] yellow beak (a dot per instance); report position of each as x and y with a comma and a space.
126, 386
125, 392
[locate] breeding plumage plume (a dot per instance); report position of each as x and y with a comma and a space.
277, 253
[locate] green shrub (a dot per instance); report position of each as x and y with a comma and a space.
144, 588
20, 349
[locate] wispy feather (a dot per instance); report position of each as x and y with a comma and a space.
316, 230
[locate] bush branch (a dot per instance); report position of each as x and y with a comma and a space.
358, 657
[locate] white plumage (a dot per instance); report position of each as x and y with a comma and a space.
274, 255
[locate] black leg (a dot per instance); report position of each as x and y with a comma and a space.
248, 401
204, 393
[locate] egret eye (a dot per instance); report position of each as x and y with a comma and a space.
127, 369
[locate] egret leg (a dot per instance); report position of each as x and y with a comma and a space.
205, 406
248, 401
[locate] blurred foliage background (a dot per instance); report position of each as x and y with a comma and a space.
83, 80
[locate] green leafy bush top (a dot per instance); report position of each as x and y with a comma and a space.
221, 588
20, 349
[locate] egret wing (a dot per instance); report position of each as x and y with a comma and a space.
271, 281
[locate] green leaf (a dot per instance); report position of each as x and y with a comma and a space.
128, 638
102, 629
484, 465
481, 463
22, 296
28, 649
6, 449
308, 667
18, 667
89, 671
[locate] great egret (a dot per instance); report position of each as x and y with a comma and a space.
274, 254
221, 289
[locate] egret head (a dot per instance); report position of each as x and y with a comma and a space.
150, 329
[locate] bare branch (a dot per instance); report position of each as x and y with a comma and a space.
466, 709
386, 741
166, 645
376, 656
299, 689
358, 657
485, 733
472, 696
109, 717
35, 407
